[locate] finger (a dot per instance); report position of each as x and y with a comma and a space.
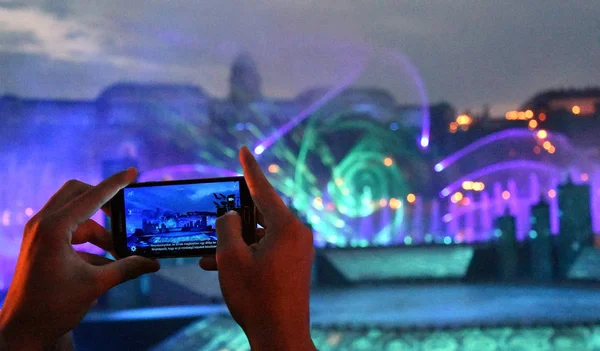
264, 195
83, 207
94, 260
120, 271
208, 263
70, 190
231, 246
260, 233
92, 232
253, 247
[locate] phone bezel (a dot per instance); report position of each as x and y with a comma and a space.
117, 209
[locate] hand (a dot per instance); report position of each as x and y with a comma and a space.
266, 286
54, 285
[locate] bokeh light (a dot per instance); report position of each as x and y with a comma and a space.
273, 168
542, 134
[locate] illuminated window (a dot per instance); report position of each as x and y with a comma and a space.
542, 134
478, 186
464, 119
453, 127
511, 115
533, 124
458, 196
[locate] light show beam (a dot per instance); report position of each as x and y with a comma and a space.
283, 130
497, 167
505, 134
423, 98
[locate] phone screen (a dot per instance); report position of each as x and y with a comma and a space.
167, 219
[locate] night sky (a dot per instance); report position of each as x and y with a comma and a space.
467, 52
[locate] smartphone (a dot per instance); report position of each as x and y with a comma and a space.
177, 218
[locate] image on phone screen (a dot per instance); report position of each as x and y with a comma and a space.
178, 217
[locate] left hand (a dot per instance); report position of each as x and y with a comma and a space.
54, 286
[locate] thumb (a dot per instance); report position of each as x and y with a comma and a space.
128, 268
230, 243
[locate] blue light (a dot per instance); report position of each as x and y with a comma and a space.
533, 234
447, 240
394, 126
259, 149
425, 141
240, 126
408, 240
439, 167
447, 218
445, 192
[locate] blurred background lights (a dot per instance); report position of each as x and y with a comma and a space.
395, 203
458, 196
542, 134
273, 168
528, 114
533, 124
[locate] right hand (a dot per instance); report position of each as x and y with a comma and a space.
266, 285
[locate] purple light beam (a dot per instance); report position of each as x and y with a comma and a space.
497, 167
508, 133
423, 99
271, 139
